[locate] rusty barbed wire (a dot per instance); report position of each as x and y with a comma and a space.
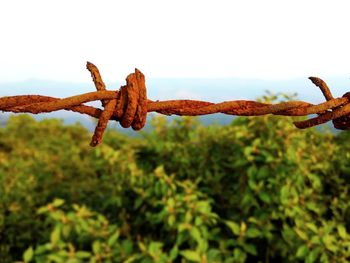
129, 106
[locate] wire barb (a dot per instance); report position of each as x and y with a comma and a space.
129, 105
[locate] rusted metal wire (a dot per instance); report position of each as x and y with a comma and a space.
129, 105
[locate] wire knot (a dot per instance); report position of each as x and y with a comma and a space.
131, 107
343, 123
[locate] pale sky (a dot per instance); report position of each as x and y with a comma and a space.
266, 39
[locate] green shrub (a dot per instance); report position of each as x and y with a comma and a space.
257, 190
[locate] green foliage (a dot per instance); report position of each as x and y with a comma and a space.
257, 190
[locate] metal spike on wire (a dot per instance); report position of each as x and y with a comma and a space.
129, 106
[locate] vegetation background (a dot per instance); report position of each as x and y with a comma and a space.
257, 190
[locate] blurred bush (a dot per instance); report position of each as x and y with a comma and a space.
258, 190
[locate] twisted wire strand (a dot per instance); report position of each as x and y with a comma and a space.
129, 106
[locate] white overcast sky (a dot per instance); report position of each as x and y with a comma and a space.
257, 39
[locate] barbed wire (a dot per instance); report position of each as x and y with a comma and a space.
129, 106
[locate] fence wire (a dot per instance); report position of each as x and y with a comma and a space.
129, 105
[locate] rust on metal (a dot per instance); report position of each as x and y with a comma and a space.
129, 106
